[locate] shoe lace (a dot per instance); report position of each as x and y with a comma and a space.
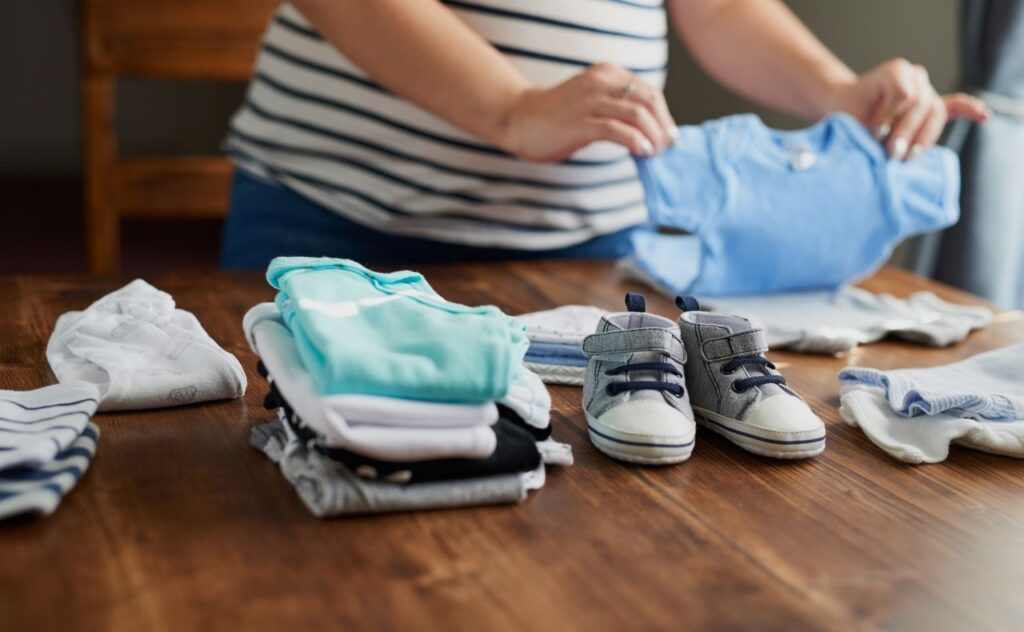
757, 380
645, 385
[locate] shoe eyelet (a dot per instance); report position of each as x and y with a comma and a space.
730, 372
736, 389
610, 391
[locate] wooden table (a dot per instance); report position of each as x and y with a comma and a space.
181, 525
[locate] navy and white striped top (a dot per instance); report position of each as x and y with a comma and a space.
39, 490
37, 425
315, 122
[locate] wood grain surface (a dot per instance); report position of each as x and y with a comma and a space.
180, 525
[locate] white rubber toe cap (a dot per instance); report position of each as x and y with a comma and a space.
785, 415
647, 421
644, 431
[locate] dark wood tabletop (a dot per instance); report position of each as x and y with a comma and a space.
180, 525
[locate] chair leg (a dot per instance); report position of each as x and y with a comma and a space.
102, 221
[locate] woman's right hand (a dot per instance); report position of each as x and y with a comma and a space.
603, 103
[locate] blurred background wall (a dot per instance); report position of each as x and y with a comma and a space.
39, 128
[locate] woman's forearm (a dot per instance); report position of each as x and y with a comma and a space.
421, 51
760, 50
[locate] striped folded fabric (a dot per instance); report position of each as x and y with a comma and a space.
46, 444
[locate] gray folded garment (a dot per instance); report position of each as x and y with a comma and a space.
835, 321
329, 489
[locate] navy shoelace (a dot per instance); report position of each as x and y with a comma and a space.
749, 382
645, 385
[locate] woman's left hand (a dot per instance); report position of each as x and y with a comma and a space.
897, 102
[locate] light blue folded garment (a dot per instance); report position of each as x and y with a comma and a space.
988, 386
769, 211
555, 349
359, 331
557, 354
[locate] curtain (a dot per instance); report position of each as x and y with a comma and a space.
984, 252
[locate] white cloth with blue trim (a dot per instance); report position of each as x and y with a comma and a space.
916, 414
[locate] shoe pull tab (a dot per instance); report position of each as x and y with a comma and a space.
636, 302
687, 304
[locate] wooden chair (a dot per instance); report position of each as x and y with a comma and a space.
155, 39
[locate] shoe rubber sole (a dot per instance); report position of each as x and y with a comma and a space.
777, 445
643, 453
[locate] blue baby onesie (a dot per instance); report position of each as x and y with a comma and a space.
769, 211
360, 331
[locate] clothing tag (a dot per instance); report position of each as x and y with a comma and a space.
800, 155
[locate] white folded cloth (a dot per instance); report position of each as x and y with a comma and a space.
926, 438
141, 352
529, 398
989, 385
557, 374
568, 324
915, 414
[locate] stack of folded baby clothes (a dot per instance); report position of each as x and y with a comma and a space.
47, 441
390, 398
916, 414
556, 336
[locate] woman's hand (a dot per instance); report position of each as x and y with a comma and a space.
602, 103
897, 102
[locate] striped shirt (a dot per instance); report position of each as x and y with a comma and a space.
38, 490
316, 123
37, 425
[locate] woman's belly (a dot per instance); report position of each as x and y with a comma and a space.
315, 121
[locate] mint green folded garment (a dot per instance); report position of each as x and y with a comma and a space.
360, 331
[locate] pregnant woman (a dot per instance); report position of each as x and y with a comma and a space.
417, 131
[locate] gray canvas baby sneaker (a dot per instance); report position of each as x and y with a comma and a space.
633, 395
738, 393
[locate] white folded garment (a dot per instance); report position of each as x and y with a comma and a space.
141, 352
390, 411
988, 385
529, 398
275, 345
35, 426
926, 438
568, 324
558, 374
835, 321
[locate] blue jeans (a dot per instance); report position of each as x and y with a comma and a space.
268, 220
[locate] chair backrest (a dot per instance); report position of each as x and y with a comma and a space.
156, 39
183, 39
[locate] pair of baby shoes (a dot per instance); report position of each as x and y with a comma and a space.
648, 377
